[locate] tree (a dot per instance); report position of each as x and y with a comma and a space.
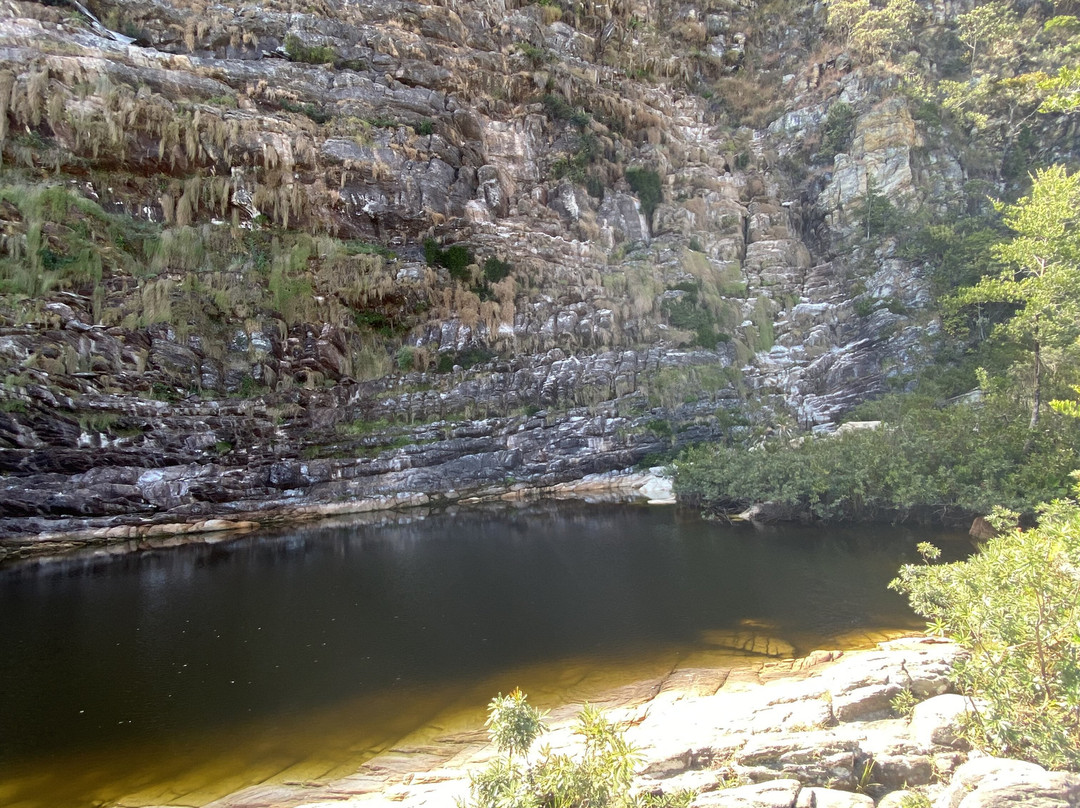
1015, 607
878, 31
844, 15
986, 25
879, 215
599, 777
1041, 278
1062, 91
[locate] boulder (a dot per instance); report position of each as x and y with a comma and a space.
937, 721
832, 798
1002, 783
982, 530
772, 794
901, 798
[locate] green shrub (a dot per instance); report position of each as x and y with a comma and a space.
864, 306
660, 427
495, 270
456, 259
560, 109
467, 358
836, 131
377, 321
431, 252
928, 463
1014, 607
313, 112
599, 777
406, 357
297, 51
536, 56
687, 314
646, 184
594, 186
573, 165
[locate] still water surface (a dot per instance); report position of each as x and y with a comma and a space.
174, 677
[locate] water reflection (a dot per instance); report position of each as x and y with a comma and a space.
327, 642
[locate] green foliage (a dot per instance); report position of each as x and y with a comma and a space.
1061, 91
863, 306
1069, 407
557, 107
599, 777
914, 800
536, 56
406, 358
67, 242
313, 112
1041, 278
495, 270
690, 314
646, 184
513, 723
958, 253
573, 165
986, 27
378, 321
297, 51
425, 127
248, 387
925, 463
361, 427
1015, 607
880, 217
467, 358
669, 387
456, 259
660, 427
836, 131
871, 32
903, 703
159, 391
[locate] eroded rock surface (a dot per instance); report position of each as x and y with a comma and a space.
231, 284
749, 738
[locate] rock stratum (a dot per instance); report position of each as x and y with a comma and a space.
259, 259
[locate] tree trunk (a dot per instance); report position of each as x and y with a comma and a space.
1036, 403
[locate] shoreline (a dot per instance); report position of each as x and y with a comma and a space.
687, 725
89, 537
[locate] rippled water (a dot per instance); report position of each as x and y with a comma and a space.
177, 676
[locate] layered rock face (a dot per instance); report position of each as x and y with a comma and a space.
277, 253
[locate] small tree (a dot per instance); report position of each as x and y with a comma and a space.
1042, 274
1015, 606
879, 215
985, 26
513, 723
1062, 91
598, 778
873, 32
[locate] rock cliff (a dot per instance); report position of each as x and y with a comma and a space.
262, 257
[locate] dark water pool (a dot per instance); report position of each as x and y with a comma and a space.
177, 676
